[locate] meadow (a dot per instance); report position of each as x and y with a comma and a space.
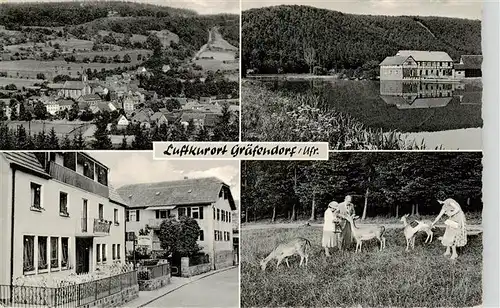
419, 278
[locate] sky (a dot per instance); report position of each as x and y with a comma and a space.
200, 6
139, 167
470, 9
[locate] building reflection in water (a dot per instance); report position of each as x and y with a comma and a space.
417, 94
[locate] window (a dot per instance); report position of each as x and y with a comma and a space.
103, 252
230, 215
115, 212
101, 211
226, 195
131, 215
36, 191
214, 214
84, 216
102, 175
218, 214
221, 193
29, 254
69, 160
137, 215
188, 212
64, 246
201, 237
63, 203
201, 212
182, 211
42, 253
215, 235
113, 253
87, 166
118, 252
54, 252
98, 252
195, 213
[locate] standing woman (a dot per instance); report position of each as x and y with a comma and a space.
455, 234
346, 208
330, 233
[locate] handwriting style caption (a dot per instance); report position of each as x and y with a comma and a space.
241, 150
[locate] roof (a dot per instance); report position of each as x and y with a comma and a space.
183, 192
115, 196
187, 116
75, 85
65, 102
90, 97
211, 119
157, 115
394, 60
141, 116
55, 85
26, 161
420, 55
469, 62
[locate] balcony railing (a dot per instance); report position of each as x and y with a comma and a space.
70, 177
101, 227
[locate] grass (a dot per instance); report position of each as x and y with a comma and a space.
473, 218
271, 116
395, 278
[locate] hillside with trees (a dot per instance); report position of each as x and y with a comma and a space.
294, 39
381, 183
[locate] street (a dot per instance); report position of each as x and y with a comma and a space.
218, 290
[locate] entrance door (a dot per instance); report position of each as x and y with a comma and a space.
83, 255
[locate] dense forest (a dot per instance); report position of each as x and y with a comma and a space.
84, 20
294, 39
381, 183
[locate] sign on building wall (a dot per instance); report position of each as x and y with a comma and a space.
145, 240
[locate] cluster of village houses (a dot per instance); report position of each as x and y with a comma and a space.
124, 92
60, 215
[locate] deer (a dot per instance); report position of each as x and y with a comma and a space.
411, 232
298, 246
365, 233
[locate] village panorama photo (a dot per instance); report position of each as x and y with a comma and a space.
117, 74
363, 74
84, 229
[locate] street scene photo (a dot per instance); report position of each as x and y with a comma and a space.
364, 229
117, 74
363, 74
84, 229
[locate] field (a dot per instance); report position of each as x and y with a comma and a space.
420, 278
109, 54
30, 68
18, 82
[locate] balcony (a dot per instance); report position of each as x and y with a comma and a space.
70, 177
100, 228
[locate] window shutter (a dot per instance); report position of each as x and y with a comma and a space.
157, 214
137, 215
201, 212
126, 216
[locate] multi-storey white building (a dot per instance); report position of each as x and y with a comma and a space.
417, 64
208, 200
58, 215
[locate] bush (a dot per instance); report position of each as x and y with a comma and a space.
198, 259
319, 71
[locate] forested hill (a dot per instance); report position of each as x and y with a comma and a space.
274, 38
54, 14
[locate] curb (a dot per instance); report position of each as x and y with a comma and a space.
185, 284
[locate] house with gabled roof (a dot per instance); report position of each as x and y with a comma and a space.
468, 67
60, 215
417, 64
207, 200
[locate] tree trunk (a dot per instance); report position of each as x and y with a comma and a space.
313, 207
366, 203
412, 209
294, 215
246, 216
274, 214
397, 210
468, 201
416, 209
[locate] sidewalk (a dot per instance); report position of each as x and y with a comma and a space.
146, 297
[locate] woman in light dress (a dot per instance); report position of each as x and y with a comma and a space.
331, 230
455, 234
